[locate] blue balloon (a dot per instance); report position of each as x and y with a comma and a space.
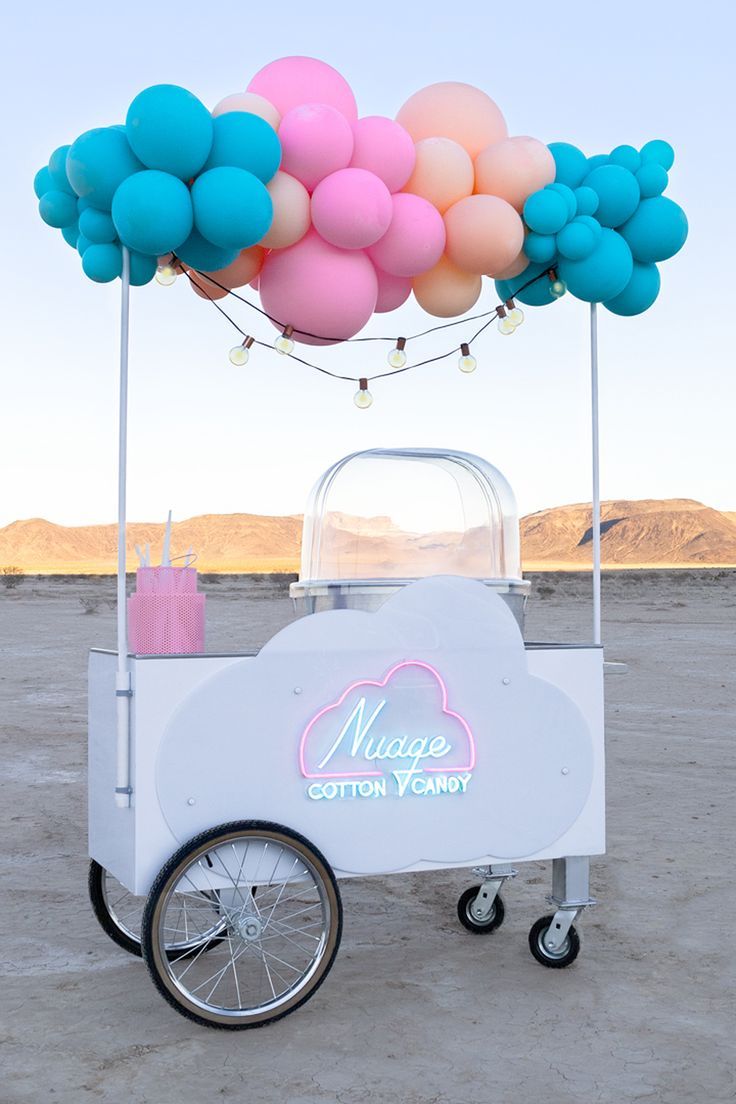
232, 207
587, 201
97, 226
652, 178
83, 245
540, 248
57, 208
617, 191
152, 212
102, 263
70, 234
568, 195
660, 152
640, 292
571, 163
657, 229
627, 157
247, 142
201, 254
603, 274
170, 129
42, 182
57, 170
83, 204
597, 160
142, 269
536, 295
545, 211
579, 238
98, 162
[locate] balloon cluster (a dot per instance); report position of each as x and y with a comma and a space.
333, 217
601, 226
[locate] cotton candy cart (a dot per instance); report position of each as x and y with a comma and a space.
400, 724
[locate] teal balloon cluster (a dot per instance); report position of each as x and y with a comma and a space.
603, 226
173, 179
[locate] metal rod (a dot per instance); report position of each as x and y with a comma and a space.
596, 502
122, 680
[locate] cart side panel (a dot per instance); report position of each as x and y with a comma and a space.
111, 829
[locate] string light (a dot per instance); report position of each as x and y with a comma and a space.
467, 362
397, 356
284, 343
239, 354
515, 314
557, 287
362, 397
505, 325
166, 275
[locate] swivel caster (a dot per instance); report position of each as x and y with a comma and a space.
475, 915
553, 940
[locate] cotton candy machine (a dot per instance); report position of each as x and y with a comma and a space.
380, 519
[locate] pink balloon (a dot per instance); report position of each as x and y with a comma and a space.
454, 110
292, 81
484, 234
320, 289
291, 217
316, 140
351, 208
414, 241
392, 291
514, 168
383, 147
252, 103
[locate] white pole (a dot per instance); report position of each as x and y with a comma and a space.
122, 680
596, 520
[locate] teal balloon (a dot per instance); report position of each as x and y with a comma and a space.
545, 211
70, 234
97, 226
571, 164
57, 208
627, 157
660, 152
617, 191
652, 179
83, 204
152, 212
657, 229
540, 248
232, 207
247, 142
201, 254
536, 295
586, 200
83, 245
578, 239
568, 195
97, 164
640, 292
597, 160
42, 182
57, 170
603, 274
170, 129
142, 269
102, 263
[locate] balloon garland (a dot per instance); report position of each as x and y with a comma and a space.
333, 218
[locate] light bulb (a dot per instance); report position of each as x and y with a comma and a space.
505, 325
397, 356
165, 275
362, 397
284, 344
239, 354
557, 287
514, 314
467, 362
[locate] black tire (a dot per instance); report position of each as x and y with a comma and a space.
112, 927
162, 967
558, 960
480, 927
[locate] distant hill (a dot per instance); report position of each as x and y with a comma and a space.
651, 533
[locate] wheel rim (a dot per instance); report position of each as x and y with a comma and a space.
486, 919
279, 922
123, 907
561, 952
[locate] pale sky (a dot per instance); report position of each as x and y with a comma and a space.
209, 438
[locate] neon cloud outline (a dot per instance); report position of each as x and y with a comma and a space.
380, 683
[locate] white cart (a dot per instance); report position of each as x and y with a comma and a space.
401, 724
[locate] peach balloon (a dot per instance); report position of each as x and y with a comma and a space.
514, 168
446, 290
454, 110
443, 173
243, 269
202, 287
515, 268
291, 215
484, 234
252, 103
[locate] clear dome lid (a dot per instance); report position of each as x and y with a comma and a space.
409, 513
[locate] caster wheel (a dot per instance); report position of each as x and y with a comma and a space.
479, 927
556, 960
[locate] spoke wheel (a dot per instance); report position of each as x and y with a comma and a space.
282, 919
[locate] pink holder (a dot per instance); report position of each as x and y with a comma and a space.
165, 613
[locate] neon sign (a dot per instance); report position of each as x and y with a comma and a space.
388, 737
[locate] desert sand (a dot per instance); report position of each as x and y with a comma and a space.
416, 1009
